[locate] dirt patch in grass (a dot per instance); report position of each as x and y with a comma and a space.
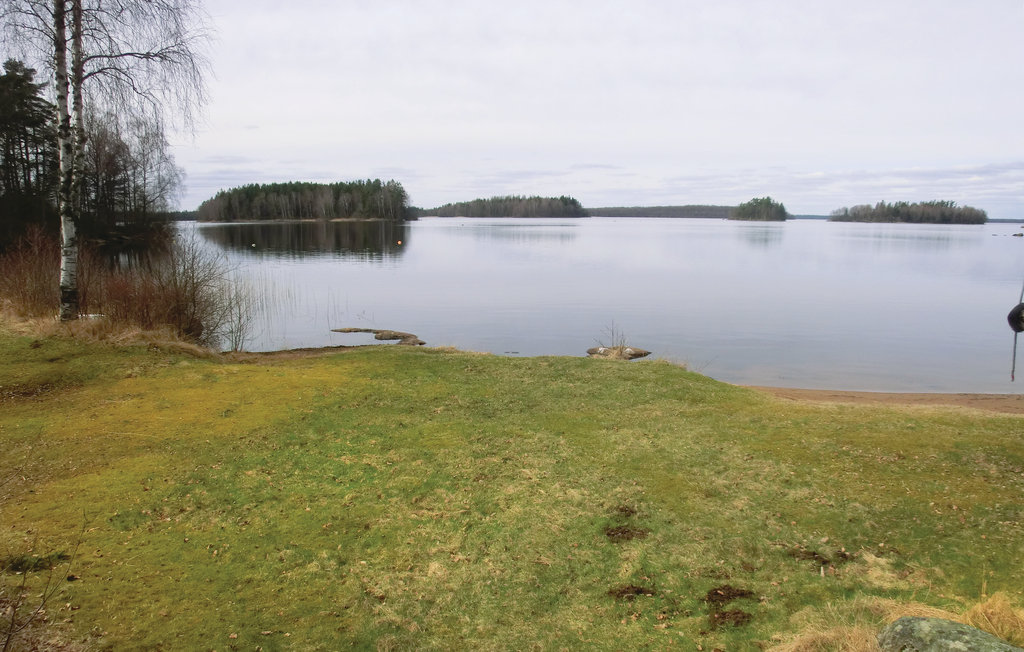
730, 618
720, 596
286, 354
629, 592
726, 593
621, 533
838, 558
804, 554
24, 392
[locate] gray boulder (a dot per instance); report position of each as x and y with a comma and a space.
914, 634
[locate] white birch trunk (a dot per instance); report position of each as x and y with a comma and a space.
65, 157
77, 109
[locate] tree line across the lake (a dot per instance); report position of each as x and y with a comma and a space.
690, 211
767, 209
927, 212
510, 206
370, 199
373, 199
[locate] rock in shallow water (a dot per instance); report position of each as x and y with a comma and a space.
384, 334
617, 352
915, 634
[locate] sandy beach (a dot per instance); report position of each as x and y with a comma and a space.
1005, 403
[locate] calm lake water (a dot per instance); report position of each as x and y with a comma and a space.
805, 303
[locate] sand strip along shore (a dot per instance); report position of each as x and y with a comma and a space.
1005, 403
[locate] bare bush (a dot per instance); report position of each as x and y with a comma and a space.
188, 288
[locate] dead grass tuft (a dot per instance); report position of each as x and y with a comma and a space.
999, 617
101, 330
822, 630
163, 339
850, 639
889, 611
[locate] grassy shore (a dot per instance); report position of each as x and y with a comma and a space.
398, 498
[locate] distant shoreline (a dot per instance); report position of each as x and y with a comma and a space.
302, 220
816, 218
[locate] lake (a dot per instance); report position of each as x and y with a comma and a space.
804, 303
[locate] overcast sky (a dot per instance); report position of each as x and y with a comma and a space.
818, 103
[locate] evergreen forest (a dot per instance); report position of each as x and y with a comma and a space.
928, 212
694, 211
511, 206
128, 177
370, 199
763, 209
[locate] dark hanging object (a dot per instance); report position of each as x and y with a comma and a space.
1016, 318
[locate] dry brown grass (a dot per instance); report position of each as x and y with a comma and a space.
998, 616
103, 330
825, 630
853, 639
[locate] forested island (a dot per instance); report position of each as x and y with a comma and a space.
509, 206
763, 209
690, 211
369, 200
928, 212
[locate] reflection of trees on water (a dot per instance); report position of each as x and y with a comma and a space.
561, 238
518, 233
909, 242
127, 249
761, 236
376, 240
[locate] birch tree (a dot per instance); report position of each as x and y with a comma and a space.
133, 58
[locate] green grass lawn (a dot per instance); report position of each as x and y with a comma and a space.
399, 498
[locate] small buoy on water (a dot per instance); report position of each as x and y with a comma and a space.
254, 245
